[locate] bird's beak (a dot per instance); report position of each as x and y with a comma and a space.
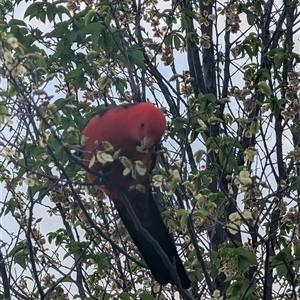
147, 142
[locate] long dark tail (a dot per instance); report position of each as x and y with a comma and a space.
159, 232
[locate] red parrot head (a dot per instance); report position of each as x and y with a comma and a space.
148, 124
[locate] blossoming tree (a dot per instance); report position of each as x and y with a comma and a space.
226, 178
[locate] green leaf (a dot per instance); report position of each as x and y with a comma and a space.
199, 274
88, 18
297, 251
251, 18
254, 127
183, 219
59, 31
121, 85
95, 39
248, 73
32, 10
103, 81
102, 261
177, 42
184, 22
206, 181
55, 145
258, 7
282, 270
157, 180
126, 162
146, 296
11, 206
175, 77
19, 247
262, 75
296, 263
79, 81
124, 296
91, 28
140, 187
248, 49
104, 158
73, 74
198, 155
71, 36
50, 13
63, 279
178, 123
246, 259
108, 147
105, 42
235, 287
16, 22
137, 58
281, 52
168, 40
140, 168
20, 260
264, 88
63, 10
295, 183
42, 16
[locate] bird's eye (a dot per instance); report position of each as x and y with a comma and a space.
142, 124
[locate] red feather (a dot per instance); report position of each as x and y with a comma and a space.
125, 127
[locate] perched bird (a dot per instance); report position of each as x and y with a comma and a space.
133, 130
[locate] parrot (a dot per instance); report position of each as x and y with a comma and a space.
132, 130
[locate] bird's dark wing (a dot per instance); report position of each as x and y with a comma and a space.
157, 229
